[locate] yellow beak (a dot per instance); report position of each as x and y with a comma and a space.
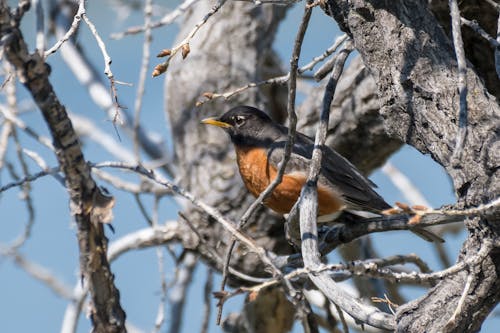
216, 122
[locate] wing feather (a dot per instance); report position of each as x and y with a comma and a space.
336, 172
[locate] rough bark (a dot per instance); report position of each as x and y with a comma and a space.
228, 52
354, 119
90, 206
478, 51
413, 63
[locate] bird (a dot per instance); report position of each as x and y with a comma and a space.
260, 147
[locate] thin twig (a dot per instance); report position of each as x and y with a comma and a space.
275, 80
4, 141
146, 51
29, 178
494, 4
415, 197
39, 273
40, 25
26, 196
497, 49
207, 299
184, 44
166, 20
98, 92
160, 318
214, 213
404, 185
345, 327
292, 119
43, 165
74, 26
143, 209
308, 215
462, 81
9, 115
101, 44
214, 255
177, 295
341, 39
107, 64
480, 31
452, 321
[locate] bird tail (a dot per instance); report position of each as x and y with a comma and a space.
427, 235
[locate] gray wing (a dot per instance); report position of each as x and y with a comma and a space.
336, 172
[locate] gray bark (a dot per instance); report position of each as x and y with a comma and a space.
89, 204
413, 66
416, 74
228, 52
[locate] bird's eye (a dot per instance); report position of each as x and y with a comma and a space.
239, 120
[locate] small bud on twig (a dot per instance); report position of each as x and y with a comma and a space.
159, 69
414, 220
164, 53
185, 50
404, 207
421, 208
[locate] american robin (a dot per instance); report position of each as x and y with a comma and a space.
259, 143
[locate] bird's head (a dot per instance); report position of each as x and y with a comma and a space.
245, 125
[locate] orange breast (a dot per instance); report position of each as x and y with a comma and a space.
257, 174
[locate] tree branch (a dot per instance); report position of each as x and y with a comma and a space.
88, 204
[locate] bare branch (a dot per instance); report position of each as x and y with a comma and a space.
166, 20
39, 273
207, 298
40, 34
86, 75
89, 205
462, 80
497, 49
275, 80
74, 25
177, 295
292, 119
183, 46
146, 51
308, 211
102, 46
480, 31
144, 238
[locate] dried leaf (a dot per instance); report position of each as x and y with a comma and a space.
208, 95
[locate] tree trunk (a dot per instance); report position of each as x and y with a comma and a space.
413, 63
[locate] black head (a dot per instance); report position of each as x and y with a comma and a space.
246, 125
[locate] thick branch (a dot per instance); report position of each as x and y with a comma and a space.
90, 206
414, 65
